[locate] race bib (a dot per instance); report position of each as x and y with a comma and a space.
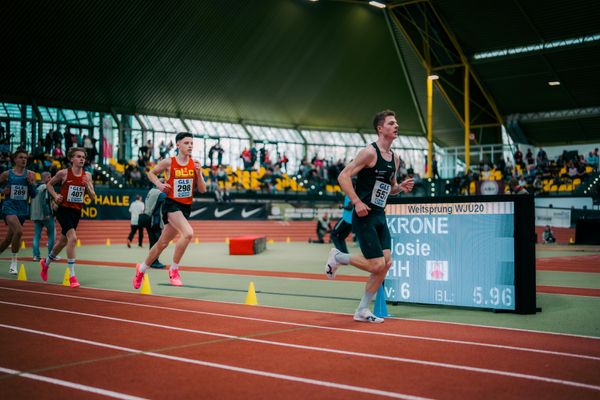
18, 192
381, 191
183, 188
75, 194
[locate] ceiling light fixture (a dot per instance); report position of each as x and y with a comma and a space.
377, 4
433, 77
553, 83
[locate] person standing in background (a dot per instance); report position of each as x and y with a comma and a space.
135, 209
41, 215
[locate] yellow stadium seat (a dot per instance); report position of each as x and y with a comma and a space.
588, 169
576, 181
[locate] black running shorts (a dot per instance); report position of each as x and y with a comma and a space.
171, 205
372, 233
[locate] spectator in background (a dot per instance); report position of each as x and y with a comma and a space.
592, 160
246, 159
48, 143
151, 218
222, 195
218, 150
88, 145
58, 154
42, 217
136, 208
163, 150
514, 187
68, 139
136, 177
548, 235
518, 156
323, 228
57, 138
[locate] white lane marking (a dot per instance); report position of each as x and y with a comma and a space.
225, 366
70, 385
320, 349
396, 335
423, 321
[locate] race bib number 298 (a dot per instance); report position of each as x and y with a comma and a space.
381, 191
183, 188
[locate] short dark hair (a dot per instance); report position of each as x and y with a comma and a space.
183, 135
380, 117
14, 155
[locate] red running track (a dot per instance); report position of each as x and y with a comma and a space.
157, 347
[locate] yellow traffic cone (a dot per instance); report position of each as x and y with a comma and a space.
571, 240
107, 242
78, 243
146, 289
66, 277
227, 240
251, 296
288, 240
22, 274
196, 241
22, 244
270, 241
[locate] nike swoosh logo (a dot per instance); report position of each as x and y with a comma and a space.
219, 213
198, 211
246, 214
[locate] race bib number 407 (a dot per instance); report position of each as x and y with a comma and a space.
183, 188
381, 191
18, 192
75, 194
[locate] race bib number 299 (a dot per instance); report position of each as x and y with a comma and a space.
381, 191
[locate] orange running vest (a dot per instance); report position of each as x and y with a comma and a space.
181, 179
72, 190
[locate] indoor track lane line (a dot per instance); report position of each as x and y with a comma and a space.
355, 354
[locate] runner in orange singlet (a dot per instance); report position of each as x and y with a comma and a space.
185, 175
74, 183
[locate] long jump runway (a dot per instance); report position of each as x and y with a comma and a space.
89, 343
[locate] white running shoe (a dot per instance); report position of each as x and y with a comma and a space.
332, 265
365, 315
13, 270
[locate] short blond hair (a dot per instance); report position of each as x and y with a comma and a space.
73, 150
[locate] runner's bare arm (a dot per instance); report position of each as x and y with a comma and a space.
200, 184
89, 185
157, 170
3, 179
364, 158
55, 180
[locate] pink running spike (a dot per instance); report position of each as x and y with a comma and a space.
73, 282
137, 279
44, 271
175, 278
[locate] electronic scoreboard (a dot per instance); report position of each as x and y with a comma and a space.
476, 251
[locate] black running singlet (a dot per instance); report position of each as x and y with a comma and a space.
373, 185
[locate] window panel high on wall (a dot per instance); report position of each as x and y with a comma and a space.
11, 120
332, 146
232, 138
